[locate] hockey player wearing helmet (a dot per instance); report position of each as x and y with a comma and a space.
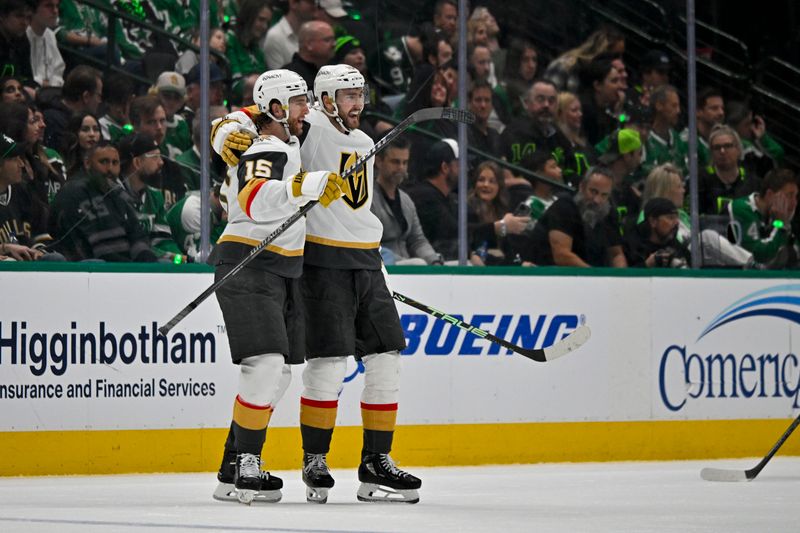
343, 278
262, 304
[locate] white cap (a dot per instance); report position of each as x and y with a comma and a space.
453, 144
333, 8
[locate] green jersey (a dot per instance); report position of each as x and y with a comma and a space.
392, 66
761, 235
190, 166
178, 138
703, 149
670, 150
244, 60
184, 222
112, 130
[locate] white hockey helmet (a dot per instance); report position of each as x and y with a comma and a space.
280, 85
331, 78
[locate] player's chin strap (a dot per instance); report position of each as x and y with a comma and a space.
335, 115
284, 122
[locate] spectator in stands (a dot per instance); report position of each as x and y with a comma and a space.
600, 98
765, 217
348, 51
436, 50
216, 90
622, 161
543, 163
489, 221
22, 234
81, 134
481, 135
403, 236
666, 181
171, 89
15, 50
82, 93
190, 159
653, 242
654, 71
710, 112
480, 64
90, 217
316, 44
760, 152
243, 46
522, 61
148, 116
580, 231
483, 15
569, 119
724, 179
118, 93
217, 40
664, 144
41, 177
46, 61
436, 206
140, 164
536, 129
564, 71
392, 64
11, 89
445, 19
282, 40
185, 222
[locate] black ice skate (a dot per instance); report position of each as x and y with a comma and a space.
268, 491
317, 477
382, 481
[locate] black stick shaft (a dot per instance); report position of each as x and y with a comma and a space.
753, 472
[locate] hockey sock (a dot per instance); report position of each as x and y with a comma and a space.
317, 420
379, 421
229, 453
322, 381
379, 400
250, 426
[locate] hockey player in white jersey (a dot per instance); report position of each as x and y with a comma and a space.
342, 277
262, 305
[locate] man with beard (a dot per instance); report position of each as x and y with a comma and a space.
403, 237
653, 243
710, 112
141, 164
148, 116
537, 130
580, 231
90, 218
436, 205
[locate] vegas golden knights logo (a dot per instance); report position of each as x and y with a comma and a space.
355, 191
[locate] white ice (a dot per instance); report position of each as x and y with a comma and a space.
580, 497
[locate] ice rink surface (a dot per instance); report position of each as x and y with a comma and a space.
580, 497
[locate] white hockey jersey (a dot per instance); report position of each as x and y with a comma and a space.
346, 234
258, 201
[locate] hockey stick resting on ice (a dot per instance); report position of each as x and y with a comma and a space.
724, 474
422, 115
573, 341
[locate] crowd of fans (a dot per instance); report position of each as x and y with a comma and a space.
579, 161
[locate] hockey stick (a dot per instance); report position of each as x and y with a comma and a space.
573, 341
724, 474
429, 113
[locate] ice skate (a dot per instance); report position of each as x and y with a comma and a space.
242, 488
317, 477
382, 481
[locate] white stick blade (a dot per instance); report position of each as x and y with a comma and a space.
721, 474
575, 340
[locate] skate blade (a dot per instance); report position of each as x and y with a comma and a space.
369, 492
226, 492
316, 494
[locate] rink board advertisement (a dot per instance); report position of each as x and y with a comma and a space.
80, 353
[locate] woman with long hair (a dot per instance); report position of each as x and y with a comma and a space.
82, 133
569, 119
564, 71
522, 63
243, 47
489, 221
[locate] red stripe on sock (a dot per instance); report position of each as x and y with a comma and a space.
379, 406
332, 404
253, 406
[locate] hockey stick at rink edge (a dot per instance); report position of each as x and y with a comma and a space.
724, 474
429, 113
571, 342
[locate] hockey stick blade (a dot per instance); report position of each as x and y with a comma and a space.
724, 474
572, 342
421, 115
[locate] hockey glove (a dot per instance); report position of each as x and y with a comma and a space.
333, 189
234, 144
